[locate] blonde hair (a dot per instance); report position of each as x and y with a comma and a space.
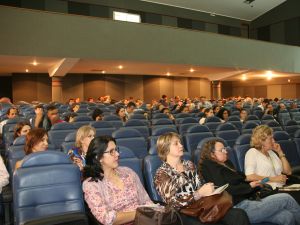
83, 132
260, 134
163, 144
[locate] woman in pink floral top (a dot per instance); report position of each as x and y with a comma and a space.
112, 193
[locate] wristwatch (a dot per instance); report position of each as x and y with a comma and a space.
282, 156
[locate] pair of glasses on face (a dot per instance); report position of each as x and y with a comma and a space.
223, 150
113, 151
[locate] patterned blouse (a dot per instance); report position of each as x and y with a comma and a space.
177, 188
105, 199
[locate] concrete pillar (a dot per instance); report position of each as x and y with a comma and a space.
57, 89
216, 89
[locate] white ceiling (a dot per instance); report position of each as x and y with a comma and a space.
229, 8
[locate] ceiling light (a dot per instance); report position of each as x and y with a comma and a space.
289, 80
244, 77
34, 63
103, 71
26, 70
168, 74
269, 75
120, 67
192, 70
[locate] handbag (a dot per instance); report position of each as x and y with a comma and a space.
210, 209
157, 216
264, 191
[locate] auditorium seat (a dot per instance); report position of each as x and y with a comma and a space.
194, 135
267, 118
58, 132
151, 164
242, 145
274, 125
138, 125
80, 121
114, 120
291, 127
185, 123
157, 131
128, 158
228, 132
69, 142
289, 148
181, 116
47, 190
236, 121
11, 123
248, 126
253, 118
283, 117
212, 123
160, 116
103, 128
132, 139
162, 123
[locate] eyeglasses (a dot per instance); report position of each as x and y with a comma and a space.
223, 150
113, 151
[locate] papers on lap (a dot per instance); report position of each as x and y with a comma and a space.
220, 189
293, 187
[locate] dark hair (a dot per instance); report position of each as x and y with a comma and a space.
131, 104
97, 112
163, 96
221, 111
117, 112
39, 106
51, 107
206, 110
73, 106
32, 138
19, 126
164, 109
70, 115
8, 111
93, 167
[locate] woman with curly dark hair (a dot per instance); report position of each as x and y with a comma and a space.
112, 193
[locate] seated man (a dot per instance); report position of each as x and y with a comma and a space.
11, 113
46, 120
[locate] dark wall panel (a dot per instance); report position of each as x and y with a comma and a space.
292, 31
6, 87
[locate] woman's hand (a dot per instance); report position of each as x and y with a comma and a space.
206, 189
254, 184
280, 179
277, 148
78, 162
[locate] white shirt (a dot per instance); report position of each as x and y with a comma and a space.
258, 163
202, 120
3, 175
2, 125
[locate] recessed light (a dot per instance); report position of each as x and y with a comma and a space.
192, 70
244, 77
168, 74
289, 80
103, 71
120, 67
34, 63
26, 70
269, 75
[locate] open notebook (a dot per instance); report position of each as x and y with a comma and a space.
220, 189
293, 187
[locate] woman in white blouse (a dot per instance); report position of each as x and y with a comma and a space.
261, 161
3, 175
266, 159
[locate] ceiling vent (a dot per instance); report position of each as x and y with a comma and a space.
248, 1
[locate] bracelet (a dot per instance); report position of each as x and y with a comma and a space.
282, 156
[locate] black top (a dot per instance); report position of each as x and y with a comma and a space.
220, 175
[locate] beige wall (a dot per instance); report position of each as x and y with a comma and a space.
31, 87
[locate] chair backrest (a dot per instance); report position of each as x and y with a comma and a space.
194, 135
233, 118
47, 184
138, 125
248, 126
242, 145
151, 164
11, 123
212, 119
162, 121
160, 116
132, 139
253, 118
274, 125
103, 128
288, 146
137, 116
283, 117
228, 132
69, 142
81, 121
156, 132
291, 127
58, 132
129, 159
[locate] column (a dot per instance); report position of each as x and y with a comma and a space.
57, 89
216, 89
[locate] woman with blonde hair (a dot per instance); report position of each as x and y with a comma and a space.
267, 160
179, 184
84, 135
214, 166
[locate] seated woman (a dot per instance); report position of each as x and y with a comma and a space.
97, 114
75, 107
207, 113
122, 114
168, 113
4, 176
266, 159
21, 128
112, 193
243, 115
84, 136
223, 114
215, 167
178, 183
36, 141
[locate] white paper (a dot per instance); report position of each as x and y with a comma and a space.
219, 189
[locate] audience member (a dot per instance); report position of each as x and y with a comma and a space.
130, 109
223, 114
46, 120
36, 141
97, 114
21, 129
204, 103
207, 113
179, 184
215, 167
168, 113
112, 193
122, 114
10, 114
243, 115
84, 136
75, 107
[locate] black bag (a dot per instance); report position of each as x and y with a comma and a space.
157, 216
264, 191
